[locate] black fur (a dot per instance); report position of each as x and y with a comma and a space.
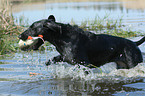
81, 47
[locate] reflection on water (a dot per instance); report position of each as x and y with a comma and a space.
132, 16
65, 88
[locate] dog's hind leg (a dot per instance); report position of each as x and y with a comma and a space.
133, 56
126, 61
121, 65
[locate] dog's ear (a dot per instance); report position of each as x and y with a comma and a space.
52, 18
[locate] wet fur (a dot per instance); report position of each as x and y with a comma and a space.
82, 47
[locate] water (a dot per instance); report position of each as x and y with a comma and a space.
25, 73
131, 12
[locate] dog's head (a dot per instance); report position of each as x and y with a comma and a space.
47, 28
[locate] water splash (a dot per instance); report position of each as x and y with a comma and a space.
109, 71
35, 62
138, 71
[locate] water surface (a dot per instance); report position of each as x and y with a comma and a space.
132, 12
63, 79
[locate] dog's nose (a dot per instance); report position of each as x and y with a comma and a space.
20, 36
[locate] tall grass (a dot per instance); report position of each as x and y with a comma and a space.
8, 29
105, 25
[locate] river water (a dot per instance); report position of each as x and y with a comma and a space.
132, 12
25, 73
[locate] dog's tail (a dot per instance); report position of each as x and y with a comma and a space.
140, 41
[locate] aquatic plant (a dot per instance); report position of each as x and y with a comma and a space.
8, 30
107, 26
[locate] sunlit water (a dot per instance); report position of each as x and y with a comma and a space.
133, 18
25, 73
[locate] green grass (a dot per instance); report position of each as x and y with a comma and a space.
8, 44
107, 26
8, 32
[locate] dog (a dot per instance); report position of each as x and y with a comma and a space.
82, 47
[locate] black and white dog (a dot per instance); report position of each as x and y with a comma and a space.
82, 47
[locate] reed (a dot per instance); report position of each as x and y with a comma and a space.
8, 29
107, 26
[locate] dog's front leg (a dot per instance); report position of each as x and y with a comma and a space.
55, 59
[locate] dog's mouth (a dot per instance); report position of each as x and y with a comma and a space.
32, 43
